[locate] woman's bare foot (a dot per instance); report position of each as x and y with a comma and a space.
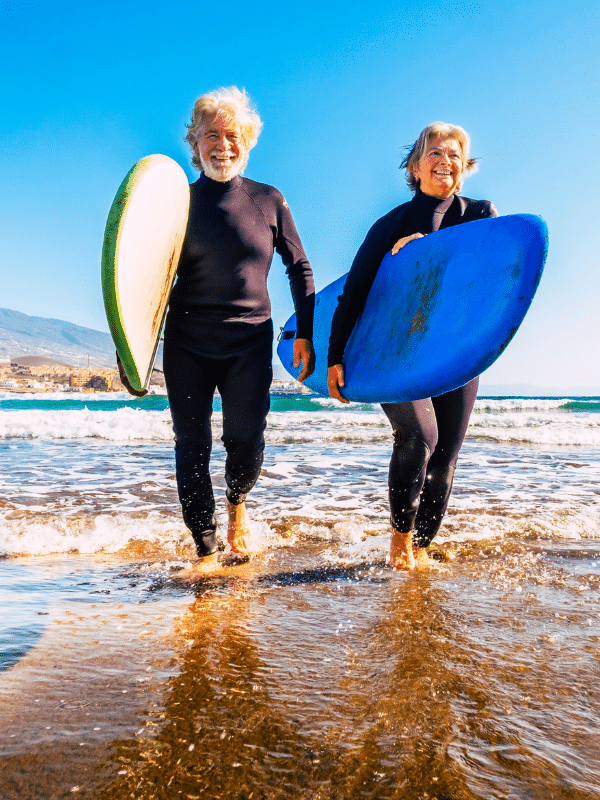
424, 561
401, 551
238, 532
208, 565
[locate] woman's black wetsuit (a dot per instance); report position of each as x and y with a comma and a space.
428, 433
219, 334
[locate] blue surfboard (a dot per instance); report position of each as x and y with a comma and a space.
439, 312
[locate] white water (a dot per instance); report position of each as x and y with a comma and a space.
99, 476
526, 421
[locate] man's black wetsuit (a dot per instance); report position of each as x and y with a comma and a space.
428, 433
219, 334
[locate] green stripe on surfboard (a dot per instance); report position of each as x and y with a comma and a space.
142, 278
109, 271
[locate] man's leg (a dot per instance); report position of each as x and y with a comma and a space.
245, 396
191, 383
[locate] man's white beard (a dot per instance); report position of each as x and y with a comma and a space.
222, 175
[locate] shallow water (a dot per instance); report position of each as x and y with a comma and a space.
96, 496
313, 671
285, 679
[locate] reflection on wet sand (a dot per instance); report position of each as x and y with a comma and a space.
220, 734
335, 683
275, 699
343, 684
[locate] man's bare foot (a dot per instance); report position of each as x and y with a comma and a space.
401, 551
238, 532
202, 568
424, 561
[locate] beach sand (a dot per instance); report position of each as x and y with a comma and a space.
286, 679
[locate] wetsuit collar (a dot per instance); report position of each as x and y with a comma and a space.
427, 202
218, 187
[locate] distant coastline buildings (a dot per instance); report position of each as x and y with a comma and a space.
28, 374
41, 374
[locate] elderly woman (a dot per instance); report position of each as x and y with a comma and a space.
219, 332
428, 433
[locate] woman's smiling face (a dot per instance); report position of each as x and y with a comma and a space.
440, 169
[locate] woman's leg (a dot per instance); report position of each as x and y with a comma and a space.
452, 411
415, 437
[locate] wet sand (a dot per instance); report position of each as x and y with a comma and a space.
286, 679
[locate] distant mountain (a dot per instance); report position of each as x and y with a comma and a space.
22, 335
38, 361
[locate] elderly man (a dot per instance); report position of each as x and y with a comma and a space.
219, 332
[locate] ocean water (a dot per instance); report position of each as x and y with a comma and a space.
95, 474
313, 671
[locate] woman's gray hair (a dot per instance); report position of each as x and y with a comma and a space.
231, 105
442, 130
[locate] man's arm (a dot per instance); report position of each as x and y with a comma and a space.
299, 272
304, 354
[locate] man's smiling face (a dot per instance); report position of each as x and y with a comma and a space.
221, 149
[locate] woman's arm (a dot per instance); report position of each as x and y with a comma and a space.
404, 241
335, 381
358, 283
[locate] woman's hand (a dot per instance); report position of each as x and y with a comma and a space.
336, 380
404, 241
304, 354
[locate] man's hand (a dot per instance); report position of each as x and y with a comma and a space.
304, 354
335, 380
125, 380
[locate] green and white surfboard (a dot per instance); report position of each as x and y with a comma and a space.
142, 244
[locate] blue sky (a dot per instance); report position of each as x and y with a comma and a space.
341, 87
